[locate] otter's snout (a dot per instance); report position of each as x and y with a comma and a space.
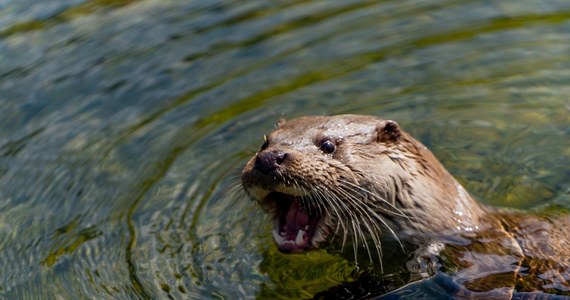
267, 161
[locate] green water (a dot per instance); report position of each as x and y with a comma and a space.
124, 126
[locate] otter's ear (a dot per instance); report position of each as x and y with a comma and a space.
280, 122
389, 131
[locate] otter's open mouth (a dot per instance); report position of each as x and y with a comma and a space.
294, 226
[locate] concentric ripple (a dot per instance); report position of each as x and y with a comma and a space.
124, 124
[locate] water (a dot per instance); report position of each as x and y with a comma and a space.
124, 126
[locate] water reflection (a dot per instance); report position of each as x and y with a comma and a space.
124, 124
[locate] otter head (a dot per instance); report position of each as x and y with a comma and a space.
346, 175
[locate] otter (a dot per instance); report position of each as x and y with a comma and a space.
364, 178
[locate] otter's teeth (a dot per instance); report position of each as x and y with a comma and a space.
299, 239
278, 238
282, 240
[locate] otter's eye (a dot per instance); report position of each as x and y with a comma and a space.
327, 147
265, 143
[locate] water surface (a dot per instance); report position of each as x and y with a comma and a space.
124, 125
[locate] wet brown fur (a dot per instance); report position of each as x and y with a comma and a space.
379, 173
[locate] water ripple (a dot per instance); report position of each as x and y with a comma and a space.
124, 125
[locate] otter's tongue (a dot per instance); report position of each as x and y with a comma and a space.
293, 230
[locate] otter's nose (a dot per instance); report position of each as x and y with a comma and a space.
267, 161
